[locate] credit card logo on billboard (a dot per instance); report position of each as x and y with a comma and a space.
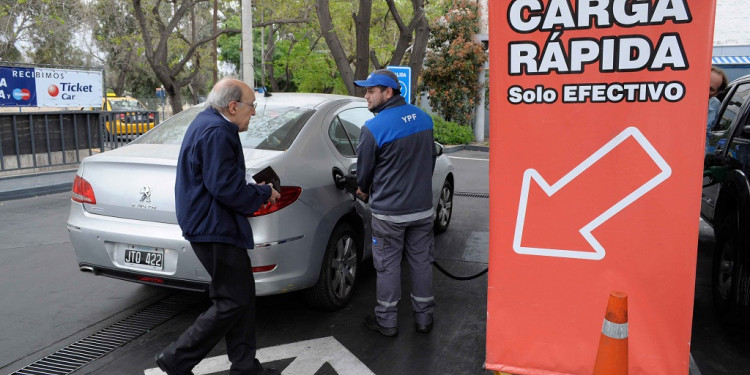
21, 94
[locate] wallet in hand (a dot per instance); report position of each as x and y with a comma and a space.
268, 175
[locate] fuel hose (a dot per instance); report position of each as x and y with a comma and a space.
454, 277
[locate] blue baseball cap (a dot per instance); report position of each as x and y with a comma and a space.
381, 77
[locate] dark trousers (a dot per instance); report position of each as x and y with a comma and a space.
231, 315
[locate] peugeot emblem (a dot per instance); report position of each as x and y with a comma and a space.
146, 194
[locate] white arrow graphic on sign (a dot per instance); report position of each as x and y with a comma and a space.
586, 230
309, 356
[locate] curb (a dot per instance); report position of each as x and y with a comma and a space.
456, 148
35, 184
36, 191
37, 174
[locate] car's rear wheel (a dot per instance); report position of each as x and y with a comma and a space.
444, 207
338, 274
728, 273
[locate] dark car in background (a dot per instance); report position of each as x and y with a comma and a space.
725, 202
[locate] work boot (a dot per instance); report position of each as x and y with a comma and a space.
423, 328
371, 322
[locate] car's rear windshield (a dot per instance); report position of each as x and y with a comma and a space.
125, 104
272, 127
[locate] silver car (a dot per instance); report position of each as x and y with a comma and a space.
122, 220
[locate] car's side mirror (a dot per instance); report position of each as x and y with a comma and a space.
438, 149
745, 132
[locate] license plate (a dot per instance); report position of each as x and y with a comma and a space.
145, 257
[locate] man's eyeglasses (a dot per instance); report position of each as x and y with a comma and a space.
254, 104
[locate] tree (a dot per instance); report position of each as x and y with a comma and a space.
174, 41
274, 22
355, 64
452, 68
116, 38
46, 27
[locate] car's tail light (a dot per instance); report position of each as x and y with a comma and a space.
82, 191
267, 268
289, 194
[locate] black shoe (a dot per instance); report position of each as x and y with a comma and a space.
371, 323
268, 371
423, 328
168, 368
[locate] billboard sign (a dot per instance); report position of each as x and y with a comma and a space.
598, 116
50, 87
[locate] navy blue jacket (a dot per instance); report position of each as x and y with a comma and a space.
212, 197
395, 159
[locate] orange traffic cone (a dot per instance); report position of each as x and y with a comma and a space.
612, 356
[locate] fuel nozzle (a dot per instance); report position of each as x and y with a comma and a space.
717, 168
348, 183
717, 173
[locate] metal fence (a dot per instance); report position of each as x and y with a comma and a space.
43, 141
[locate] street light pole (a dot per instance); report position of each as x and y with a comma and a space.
214, 51
248, 75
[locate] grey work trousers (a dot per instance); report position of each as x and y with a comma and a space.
389, 241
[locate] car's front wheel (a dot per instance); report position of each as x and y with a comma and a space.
444, 207
728, 273
338, 274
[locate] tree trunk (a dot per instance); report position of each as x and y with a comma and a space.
157, 47
334, 45
271, 45
362, 60
419, 49
175, 98
123, 73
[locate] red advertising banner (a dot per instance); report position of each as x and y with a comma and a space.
598, 123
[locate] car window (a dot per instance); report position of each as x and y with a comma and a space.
739, 149
126, 105
345, 129
732, 108
340, 139
272, 128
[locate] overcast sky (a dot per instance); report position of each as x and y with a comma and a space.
732, 22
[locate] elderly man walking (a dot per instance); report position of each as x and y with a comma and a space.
213, 200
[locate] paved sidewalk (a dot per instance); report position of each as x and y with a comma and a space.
31, 185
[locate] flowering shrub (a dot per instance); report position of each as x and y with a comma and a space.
454, 60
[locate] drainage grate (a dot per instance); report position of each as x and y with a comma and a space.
471, 195
99, 344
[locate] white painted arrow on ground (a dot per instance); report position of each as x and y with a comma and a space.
599, 251
309, 356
